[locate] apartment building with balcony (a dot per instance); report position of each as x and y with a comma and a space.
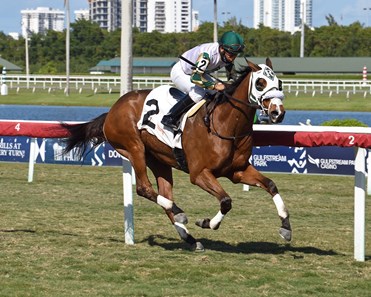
284, 15
41, 19
107, 13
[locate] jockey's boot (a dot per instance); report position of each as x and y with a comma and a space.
173, 116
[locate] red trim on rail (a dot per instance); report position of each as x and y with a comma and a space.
312, 139
33, 129
261, 138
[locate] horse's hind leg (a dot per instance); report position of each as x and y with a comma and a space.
136, 157
145, 189
178, 218
164, 179
253, 177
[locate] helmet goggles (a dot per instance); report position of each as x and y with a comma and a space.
233, 49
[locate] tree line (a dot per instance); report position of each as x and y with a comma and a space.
90, 44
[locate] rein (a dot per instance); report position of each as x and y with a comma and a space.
255, 97
247, 104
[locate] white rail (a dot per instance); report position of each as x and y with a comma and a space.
80, 83
327, 86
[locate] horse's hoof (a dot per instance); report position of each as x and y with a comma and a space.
285, 234
198, 247
181, 218
203, 223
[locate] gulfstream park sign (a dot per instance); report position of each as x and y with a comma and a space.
307, 160
316, 160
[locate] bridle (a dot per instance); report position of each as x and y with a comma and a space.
255, 99
248, 104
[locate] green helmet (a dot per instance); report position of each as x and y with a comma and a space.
232, 42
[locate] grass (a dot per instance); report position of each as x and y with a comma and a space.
62, 235
59, 98
337, 102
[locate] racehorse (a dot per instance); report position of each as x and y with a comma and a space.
216, 142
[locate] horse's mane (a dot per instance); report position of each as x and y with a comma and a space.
241, 74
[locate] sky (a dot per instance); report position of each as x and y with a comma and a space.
345, 12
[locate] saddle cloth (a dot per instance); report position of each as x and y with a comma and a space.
158, 103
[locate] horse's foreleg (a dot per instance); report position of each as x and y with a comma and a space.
253, 177
207, 181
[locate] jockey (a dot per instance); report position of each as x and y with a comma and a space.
190, 73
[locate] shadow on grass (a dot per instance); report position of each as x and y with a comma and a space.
253, 247
259, 247
17, 230
62, 233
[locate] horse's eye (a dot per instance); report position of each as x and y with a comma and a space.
260, 84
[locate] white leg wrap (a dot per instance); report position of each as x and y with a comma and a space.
215, 221
181, 226
282, 211
164, 202
182, 230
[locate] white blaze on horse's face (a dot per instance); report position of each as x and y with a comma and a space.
275, 110
265, 92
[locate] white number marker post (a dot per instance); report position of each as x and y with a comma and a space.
128, 201
360, 204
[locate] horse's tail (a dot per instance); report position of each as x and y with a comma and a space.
81, 135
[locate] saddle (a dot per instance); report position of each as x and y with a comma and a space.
157, 104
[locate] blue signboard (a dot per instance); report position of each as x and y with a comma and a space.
113, 158
313, 160
331, 160
14, 149
310, 160
279, 159
52, 152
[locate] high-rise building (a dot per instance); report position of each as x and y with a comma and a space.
284, 15
169, 16
195, 20
82, 14
107, 13
165, 16
41, 19
140, 15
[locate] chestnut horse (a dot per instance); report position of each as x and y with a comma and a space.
216, 142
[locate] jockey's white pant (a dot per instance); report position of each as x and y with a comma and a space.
183, 82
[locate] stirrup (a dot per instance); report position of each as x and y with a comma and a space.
172, 119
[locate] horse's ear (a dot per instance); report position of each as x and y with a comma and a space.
268, 62
252, 65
